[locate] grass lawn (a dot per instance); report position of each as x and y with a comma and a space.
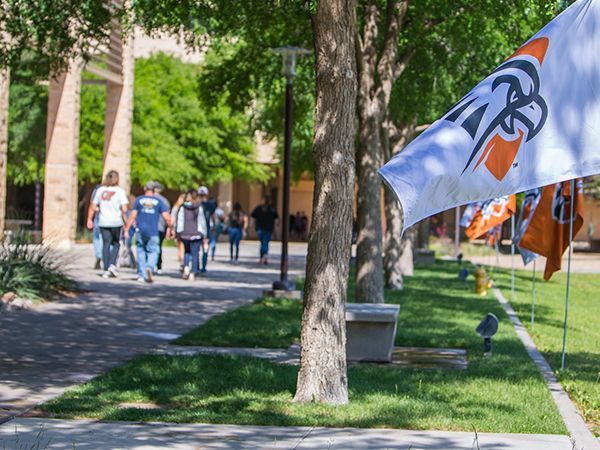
504, 393
581, 378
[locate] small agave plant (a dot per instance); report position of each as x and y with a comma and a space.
32, 271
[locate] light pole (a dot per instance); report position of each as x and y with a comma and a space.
290, 55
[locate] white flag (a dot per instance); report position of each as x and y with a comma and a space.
533, 121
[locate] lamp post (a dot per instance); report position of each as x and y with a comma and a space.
290, 55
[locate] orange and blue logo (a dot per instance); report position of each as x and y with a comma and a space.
498, 133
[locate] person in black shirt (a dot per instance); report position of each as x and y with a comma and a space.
264, 216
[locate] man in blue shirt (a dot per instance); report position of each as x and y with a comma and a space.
147, 211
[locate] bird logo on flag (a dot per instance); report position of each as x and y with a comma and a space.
499, 127
561, 202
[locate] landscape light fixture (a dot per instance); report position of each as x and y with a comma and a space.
486, 329
290, 55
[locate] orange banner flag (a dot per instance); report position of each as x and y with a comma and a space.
548, 231
492, 213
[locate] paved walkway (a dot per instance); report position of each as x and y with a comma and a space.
59, 344
82, 434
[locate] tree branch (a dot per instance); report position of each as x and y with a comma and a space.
402, 63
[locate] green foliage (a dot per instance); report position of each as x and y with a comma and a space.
180, 141
52, 30
456, 45
241, 68
28, 102
32, 272
91, 133
504, 393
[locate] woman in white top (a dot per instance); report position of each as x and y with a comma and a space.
110, 202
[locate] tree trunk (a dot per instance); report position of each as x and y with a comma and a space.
398, 259
369, 259
4, 87
392, 242
379, 67
323, 377
406, 263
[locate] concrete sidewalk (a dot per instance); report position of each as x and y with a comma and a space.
83, 434
56, 345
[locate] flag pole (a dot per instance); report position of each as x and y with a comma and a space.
564, 343
457, 231
512, 257
533, 299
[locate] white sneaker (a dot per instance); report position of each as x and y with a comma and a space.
191, 277
113, 271
140, 279
159, 271
186, 272
106, 274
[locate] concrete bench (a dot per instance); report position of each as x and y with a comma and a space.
424, 257
370, 331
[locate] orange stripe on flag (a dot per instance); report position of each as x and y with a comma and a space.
536, 48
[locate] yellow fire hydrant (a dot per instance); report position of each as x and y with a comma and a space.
482, 281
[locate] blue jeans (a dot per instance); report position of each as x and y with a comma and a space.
148, 248
192, 253
265, 237
97, 240
235, 236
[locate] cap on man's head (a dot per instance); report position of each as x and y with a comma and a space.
150, 186
203, 190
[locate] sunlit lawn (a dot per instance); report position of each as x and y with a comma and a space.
581, 378
504, 393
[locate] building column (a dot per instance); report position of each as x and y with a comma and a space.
62, 146
119, 111
4, 88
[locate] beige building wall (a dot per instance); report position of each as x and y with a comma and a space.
62, 146
4, 88
250, 195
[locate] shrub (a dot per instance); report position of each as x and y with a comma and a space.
33, 271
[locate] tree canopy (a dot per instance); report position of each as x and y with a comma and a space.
177, 138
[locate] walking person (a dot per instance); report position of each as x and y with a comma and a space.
209, 207
110, 202
215, 231
192, 228
146, 214
162, 225
237, 226
174, 211
96, 236
264, 216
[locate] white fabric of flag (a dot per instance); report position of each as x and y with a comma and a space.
533, 121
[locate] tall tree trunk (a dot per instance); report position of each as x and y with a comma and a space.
323, 375
378, 68
4, 88
369, 262
398, 255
